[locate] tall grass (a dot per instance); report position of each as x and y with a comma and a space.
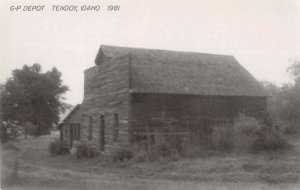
247, 135
236, 137
83, 149
244, 135
58, 147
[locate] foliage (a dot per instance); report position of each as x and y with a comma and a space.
283, 106
191, 147
9, 130
32, 96
284, 101
84, 149
122, 154
269, 140
294, 71
164, 148
244, 135
58, 147
141, 152
236, 137
248, 135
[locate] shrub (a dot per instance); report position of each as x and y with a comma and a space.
292, 127
31, 129
269, 140
141, 151
221, 138
140, 156
9, 130
121, 154
58, 147
246, 134
158, 151
4, 137
236, 137
191, 147
164, 147
84, 149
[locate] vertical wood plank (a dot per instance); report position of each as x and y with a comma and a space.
163, 113
116, 127
148, 136
77, 131
79, 134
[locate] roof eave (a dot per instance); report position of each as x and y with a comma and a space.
134, 91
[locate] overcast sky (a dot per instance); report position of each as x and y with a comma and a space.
263, 35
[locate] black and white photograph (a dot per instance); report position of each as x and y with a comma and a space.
150, 94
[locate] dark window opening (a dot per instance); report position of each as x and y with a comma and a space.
90, 136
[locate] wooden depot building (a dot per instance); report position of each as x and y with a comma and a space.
132, 94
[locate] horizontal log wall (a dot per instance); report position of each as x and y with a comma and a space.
106, 92
182, 114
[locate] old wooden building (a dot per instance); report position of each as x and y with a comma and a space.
132, 94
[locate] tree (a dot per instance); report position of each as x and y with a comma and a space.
293, 93
294, 71
32, 96
284, 101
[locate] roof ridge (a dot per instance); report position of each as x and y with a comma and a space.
164, 50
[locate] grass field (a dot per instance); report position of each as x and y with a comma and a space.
36, 169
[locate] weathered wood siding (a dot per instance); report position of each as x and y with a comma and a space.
179, 113
106, 92
73, 119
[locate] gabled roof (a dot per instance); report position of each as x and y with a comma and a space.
72, 112
174, 72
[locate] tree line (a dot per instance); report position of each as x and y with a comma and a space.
284, 101
32, 100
